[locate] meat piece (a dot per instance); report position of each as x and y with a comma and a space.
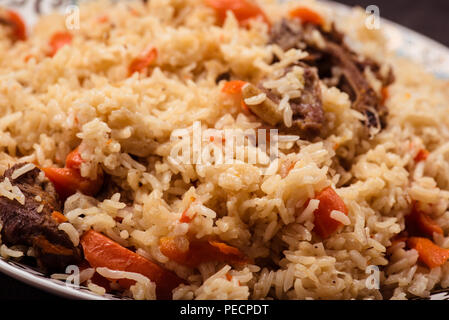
111, 187
386, 78
334, 60
268, 110
308, 114
31, 224
288, 35
365, 99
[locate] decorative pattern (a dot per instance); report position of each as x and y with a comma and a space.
403, 41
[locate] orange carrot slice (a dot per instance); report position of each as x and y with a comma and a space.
143, 61
59, 40
185, 218
100, 251
385, 94
74, 160
59, 217
429, 253
307, 15
233, 87
200, 251
422, 155
17, 25
419, 223
103, 18
68, 181
243, 10
325, 225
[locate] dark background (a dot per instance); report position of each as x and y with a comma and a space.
429, 17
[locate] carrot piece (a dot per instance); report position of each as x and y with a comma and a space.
245, 108
100, 251
233, 87
230, 252
422, 155
143, 61
385, 94
419, 223
59, 217
429, 253
74, 160
68, 181
103, 18
28, 57
59, 40
307, 16
185, 218
243, 10
200, 251
15, 21
325, 225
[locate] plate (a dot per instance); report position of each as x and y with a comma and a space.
425, 51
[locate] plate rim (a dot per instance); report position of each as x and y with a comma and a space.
44, 283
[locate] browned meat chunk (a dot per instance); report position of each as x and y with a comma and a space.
352, 81
308, 114
288, 35
331, 56
268, 110
111, 187
32, 223
307, 110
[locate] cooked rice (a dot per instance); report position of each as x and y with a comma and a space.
40, 208
256, 99
95, 288
340, 217
289, 86
144, 289
48, 106
70, 230
6, 252
11, 192
22, 170
60, 276
86, 274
